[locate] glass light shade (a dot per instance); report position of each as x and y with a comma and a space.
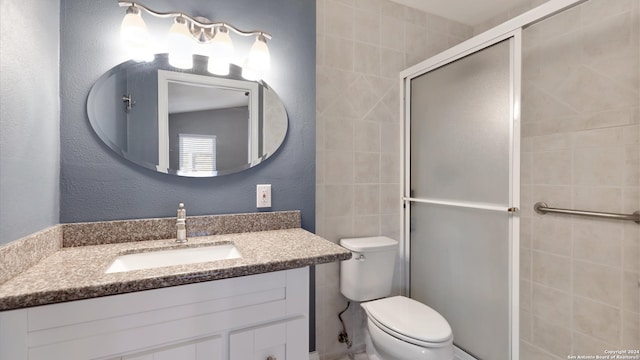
251, 74
135, 36
180, 45
218, 66
259, 59
221, 53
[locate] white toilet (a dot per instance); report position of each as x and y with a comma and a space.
398, 328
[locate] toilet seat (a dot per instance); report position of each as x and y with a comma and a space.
410, 321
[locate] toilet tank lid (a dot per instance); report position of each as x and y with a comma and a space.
369, 244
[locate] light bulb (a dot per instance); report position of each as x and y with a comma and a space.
180, 45
134, 34
259, 59
220, 52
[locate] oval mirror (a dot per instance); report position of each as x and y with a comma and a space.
187, 122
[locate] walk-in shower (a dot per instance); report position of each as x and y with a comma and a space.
543, 108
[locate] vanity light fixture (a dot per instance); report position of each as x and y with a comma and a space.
190, 34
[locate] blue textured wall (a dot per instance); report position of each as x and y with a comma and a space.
29, 117
96, 184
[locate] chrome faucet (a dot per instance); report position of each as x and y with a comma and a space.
181, 224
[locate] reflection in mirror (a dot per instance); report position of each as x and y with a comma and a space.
187, 123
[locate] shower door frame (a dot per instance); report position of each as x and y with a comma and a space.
511, 29
514, 42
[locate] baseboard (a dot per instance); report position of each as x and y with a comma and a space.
461, 355
314, 356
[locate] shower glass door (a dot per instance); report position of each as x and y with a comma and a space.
461, 181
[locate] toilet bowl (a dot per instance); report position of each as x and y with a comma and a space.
398, 328
401, 328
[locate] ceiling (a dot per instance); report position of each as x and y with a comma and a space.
470, 12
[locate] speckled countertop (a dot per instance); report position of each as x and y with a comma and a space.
75, 273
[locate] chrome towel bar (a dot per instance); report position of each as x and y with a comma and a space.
542, 208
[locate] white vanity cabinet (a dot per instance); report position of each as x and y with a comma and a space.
277, 341
242, 318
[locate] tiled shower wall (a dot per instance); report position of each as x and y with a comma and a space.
362, 45
580, 150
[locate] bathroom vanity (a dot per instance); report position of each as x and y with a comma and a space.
255, 306
251, 317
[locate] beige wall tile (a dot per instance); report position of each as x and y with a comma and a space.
393, 10
367, 168
339, 19
527, 201
390, 168
339, 53
631, 165
525, 295
339, 169
525, 263
589, 346
598, 138
631, 248
338, 201
366, 200
390, 200
630, 330
367, 58
551, 270
526, 229
597, 320
336, 228
416, 17
631, 292
598, 242
612, 118
552, 306
391, 63
525, 325
632, 135
367, 136
552, 142
598, 282
526, 168
367, 26
366, 226
531, 352
415, 40
319, 170
608, 199
390, 138
552, 168
595, 11
554, 339
602, 166
552, 235
338, 133
392, 33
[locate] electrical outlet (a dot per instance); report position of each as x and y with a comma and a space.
263, 195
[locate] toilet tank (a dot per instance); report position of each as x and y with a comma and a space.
368, 274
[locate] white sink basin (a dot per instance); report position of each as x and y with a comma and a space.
169, 257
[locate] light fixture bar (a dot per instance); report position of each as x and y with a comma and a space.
206, 25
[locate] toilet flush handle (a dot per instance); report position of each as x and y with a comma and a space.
360, 258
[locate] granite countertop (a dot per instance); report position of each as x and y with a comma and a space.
75, 273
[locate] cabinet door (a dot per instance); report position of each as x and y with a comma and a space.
276, 341
209, 348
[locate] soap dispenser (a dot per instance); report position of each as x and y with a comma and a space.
181, 224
